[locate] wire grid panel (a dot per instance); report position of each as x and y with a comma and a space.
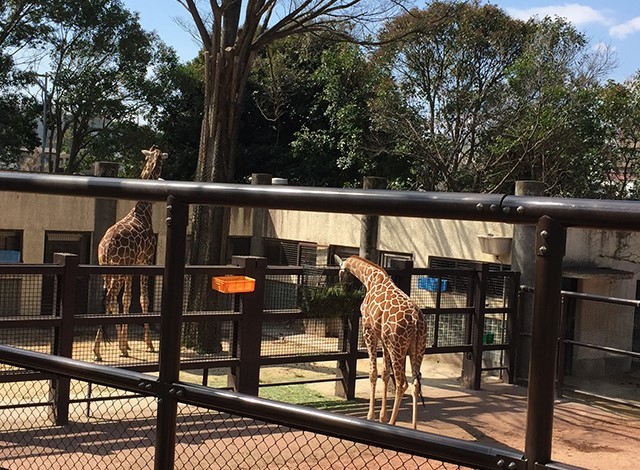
282, 292
452, 329
27, 294
33, 339
110, 433
304, 336
597, 371
90, 294
217, 441
454, 291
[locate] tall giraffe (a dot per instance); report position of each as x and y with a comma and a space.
389, 315
130, 241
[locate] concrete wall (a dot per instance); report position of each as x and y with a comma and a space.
422, 237
36, 214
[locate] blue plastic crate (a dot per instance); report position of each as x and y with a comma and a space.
431, 284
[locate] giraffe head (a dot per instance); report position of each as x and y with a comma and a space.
343, 272
153, 163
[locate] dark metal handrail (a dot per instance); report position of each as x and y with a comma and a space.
303, 418
621, 215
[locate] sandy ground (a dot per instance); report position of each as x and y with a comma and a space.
586, 435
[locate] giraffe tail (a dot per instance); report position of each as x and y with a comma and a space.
105, 335
417, 381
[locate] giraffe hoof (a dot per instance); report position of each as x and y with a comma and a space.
124, 353
97, 358
151, 349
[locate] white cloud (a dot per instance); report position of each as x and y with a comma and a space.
575, 13
623, 30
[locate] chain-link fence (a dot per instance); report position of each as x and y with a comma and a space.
114, 427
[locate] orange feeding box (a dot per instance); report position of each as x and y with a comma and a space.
233, 284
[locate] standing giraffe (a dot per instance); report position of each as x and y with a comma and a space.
130, 241
389, 315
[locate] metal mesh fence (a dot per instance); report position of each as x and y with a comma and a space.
454, 291
111, 428
108, 433
593, 325
24, 295
214, 440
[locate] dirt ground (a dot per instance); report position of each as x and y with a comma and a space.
585, 435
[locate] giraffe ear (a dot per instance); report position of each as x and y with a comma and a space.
146, 153
338, 261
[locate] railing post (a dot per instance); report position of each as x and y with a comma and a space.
170, 332
512, 329
472, 362
246, 377
347, 368
562, 346
63, 339
550, 246
403, 277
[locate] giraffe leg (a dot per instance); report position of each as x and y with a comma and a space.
386, 375
96, 346
112, 286
144, 303
372, 347
416, 354
398, 363
123, 342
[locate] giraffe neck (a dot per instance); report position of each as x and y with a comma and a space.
367, 272
142, 210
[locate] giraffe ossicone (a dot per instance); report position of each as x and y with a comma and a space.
389, 316
130, 241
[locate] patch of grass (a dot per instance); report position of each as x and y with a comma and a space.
303, 395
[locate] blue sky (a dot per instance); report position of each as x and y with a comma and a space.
614, 23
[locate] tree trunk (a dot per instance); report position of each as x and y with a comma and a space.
225, 80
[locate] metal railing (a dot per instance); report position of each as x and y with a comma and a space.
551, 217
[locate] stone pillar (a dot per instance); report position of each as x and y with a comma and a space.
523, 259
259, 217
370, 223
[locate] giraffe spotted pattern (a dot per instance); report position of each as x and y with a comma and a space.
130, 241
390, 317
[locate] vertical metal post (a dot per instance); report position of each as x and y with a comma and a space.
550, 246
472, 363
63, 341
562, 346
347, 368
170, 331
246, 377
512, 329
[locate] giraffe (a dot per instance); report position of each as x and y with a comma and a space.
388, 315
130, 241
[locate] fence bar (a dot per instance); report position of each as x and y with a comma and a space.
397, 438
63, 340
594, 213
85, 371
472, 362
170, 331
246, 377
550, 246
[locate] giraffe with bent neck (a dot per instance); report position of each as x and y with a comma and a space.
130, 241
391, 317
